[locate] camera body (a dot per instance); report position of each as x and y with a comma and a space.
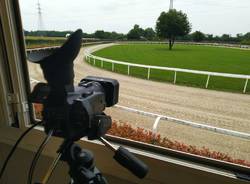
82, 114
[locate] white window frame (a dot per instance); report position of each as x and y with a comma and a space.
8, 134
18, 97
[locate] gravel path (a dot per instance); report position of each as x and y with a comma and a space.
221, 109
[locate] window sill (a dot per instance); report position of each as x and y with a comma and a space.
156, 160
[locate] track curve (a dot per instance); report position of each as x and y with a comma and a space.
221, 109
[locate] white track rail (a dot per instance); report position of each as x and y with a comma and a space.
94, 59
42, 48
184, 122
178, 121
224, 45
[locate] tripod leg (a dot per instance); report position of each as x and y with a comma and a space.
71, 181
104, 181
51, 169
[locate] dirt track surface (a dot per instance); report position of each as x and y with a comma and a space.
220, 109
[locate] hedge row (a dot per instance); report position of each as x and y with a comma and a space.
35, 42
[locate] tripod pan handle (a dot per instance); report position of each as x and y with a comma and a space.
131, 162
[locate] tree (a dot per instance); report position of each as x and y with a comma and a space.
198, 36
149, 34
225, 37
246, 39
136, 33
210, 37
247, 36
172, 24
100, 34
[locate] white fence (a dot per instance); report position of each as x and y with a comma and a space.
42, 48
237, 46
95, 59
55, 47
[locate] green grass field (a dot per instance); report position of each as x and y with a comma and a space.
205, 58
40, 41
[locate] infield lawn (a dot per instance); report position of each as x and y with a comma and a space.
205, 58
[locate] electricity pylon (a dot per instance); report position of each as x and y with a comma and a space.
171, 6
40, 18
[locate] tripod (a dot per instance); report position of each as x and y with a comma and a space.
81, 165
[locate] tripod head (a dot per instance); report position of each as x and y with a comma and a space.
82, 169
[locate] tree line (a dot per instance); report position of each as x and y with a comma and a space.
172, 26
138, 33
99, 34
199, 36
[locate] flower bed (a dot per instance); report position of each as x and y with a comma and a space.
139, 134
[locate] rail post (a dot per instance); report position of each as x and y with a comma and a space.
175, 76
149, 71
94, 61
113, 67
156, 123
208, 79
102, 63
128, 70
245, 87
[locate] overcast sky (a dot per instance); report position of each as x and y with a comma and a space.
209, 16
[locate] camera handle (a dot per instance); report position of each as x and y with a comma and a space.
81, 163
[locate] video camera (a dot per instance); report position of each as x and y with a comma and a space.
73, 111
